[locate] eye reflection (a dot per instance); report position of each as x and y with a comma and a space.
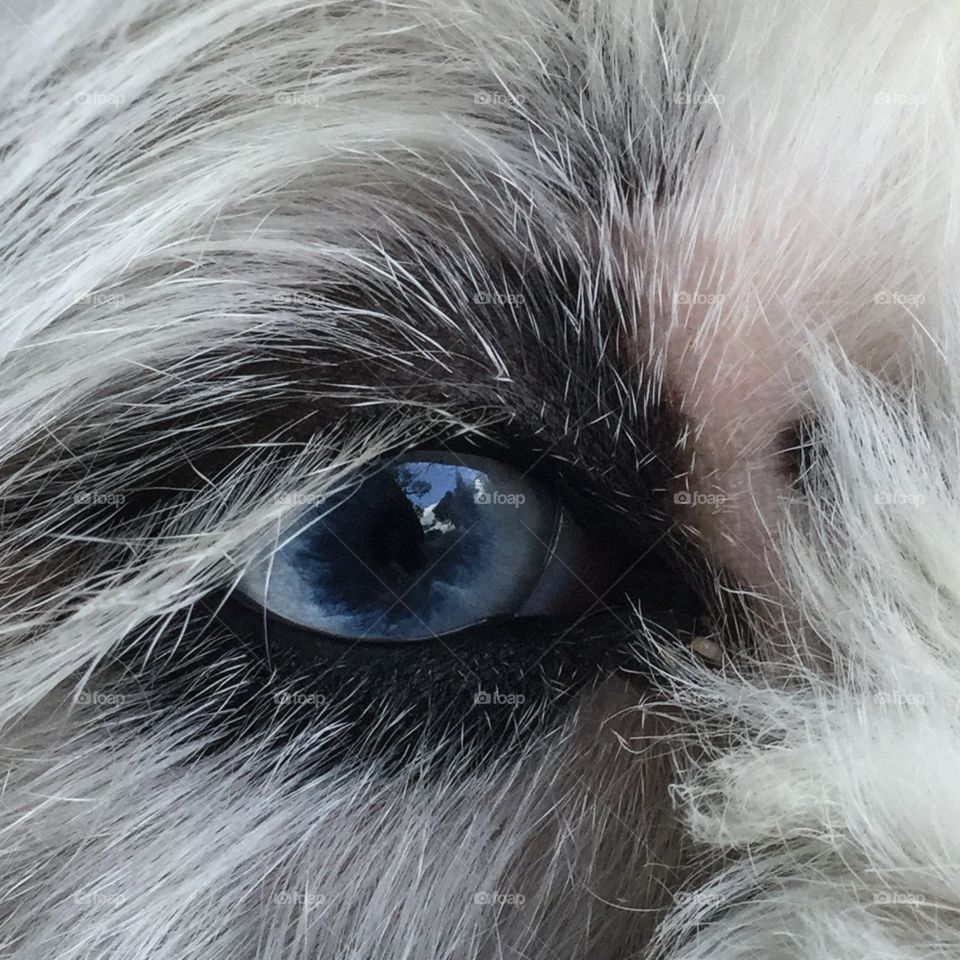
425, 546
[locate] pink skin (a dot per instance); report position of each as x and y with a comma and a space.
730, 364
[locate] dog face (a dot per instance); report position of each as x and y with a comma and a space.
478, 480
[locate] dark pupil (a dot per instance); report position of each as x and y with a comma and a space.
392, 532
382, 550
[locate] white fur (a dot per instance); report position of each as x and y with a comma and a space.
163, 210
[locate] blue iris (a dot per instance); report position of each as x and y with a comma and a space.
420, 548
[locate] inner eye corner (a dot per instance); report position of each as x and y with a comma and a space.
800, 447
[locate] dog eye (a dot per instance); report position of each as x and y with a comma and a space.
426, 545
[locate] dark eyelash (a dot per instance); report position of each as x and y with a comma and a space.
477, 693
217, 647
432, 685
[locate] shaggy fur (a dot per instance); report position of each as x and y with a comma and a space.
249, 246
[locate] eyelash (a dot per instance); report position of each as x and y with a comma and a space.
541, 662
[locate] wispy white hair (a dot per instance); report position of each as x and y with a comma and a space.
192, 192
